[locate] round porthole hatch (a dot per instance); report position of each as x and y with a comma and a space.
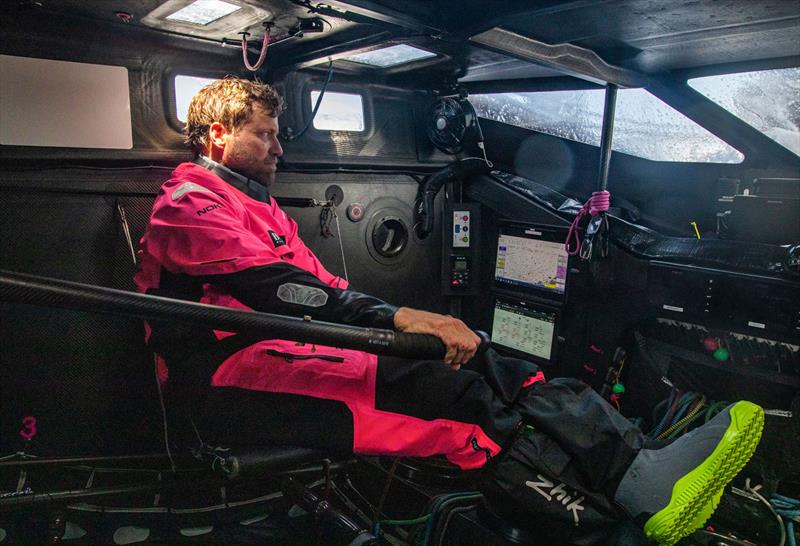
390, 236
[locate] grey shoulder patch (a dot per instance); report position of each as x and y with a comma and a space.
309, 296
186, 187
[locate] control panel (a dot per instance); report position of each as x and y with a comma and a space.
460, 249
750, 304
726, 333
460, 272
723, 364
461, 228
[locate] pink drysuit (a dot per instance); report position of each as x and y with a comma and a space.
205, 235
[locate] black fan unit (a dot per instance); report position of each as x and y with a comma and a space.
451, 123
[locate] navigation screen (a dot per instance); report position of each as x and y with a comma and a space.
527, 262
528, 330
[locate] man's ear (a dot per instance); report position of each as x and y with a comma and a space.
217, 135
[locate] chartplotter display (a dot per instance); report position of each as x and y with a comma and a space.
524, 328
531, 258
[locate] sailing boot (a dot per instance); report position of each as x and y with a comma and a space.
678, 486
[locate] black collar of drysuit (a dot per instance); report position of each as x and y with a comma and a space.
248, 186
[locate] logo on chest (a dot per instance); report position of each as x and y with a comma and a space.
277, 240
209, 208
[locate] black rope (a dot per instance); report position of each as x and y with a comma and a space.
291, 137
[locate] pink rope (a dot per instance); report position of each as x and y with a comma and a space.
597, 203
262, 55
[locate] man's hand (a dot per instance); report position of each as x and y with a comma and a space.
461, 342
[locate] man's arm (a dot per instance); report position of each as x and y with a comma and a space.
288, 290
285, 289
218, 248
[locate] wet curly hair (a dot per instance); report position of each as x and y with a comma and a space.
229, 101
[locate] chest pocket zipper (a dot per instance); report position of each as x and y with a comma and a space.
289, 357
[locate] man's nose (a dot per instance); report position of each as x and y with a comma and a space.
277, 149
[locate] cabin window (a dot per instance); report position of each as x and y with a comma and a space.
185, 88
644, 125
769, 100
64, 104
203, 12
388, 57
338, 112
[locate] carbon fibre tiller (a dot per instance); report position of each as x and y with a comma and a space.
49, 292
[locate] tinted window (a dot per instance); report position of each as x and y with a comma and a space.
644, 125
769, 100
185, 89
338, 112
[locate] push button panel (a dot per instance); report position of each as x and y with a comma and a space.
461, 246
461, 228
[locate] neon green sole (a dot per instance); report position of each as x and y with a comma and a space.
697, 494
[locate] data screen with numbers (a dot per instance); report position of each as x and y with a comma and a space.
531, 259
525, 328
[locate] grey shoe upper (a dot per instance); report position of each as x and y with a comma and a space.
647, 485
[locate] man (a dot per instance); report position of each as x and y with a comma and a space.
216, 236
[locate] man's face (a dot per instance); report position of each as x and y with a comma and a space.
253, 149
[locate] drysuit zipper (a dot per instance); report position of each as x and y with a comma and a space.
289, 357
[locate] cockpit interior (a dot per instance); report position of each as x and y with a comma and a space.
608, 189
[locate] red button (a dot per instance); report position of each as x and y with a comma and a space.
465, 218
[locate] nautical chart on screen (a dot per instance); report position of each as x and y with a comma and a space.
527, 262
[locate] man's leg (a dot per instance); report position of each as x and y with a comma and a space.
396, 406
481, 393
534, 485
600, 442
423, 408
675, 487
529, 484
